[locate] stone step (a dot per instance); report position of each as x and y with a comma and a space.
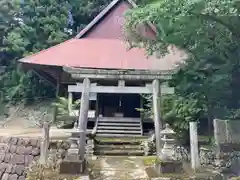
118, 135
118, 147
120, 152
119, 141
119, 131
118, 124
119, 128
118, 120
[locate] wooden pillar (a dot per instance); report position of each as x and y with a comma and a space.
141, 113
83, 116
57, 94
70, 101
121, 83
97, 107
156, 114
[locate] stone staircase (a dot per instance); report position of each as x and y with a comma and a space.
119, 147
118, 127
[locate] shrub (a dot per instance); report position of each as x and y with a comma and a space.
50, 171
64, 117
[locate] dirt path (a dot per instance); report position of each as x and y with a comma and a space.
35, 132
119, 168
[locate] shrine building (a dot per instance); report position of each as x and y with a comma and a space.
115, 76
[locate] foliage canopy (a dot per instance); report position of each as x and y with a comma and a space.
30, 26
208, 31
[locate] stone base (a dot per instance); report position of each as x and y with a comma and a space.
169, 167
72, 157
73, 167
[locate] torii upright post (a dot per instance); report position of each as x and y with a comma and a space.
156, 95
74, 162
83, 116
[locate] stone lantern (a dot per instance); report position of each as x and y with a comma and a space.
167, 152
167, 163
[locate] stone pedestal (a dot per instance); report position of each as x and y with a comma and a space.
73, 167
169, 167
72, 164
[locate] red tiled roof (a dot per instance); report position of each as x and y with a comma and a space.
97, 53
101, 54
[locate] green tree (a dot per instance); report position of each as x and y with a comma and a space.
30, 26
208, 31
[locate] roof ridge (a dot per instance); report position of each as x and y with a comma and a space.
102, 14
97, 18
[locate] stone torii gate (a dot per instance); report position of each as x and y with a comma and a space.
88, 75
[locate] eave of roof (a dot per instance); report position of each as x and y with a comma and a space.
83, 53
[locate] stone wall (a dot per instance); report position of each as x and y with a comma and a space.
17, 153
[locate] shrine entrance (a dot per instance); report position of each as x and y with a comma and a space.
123, 105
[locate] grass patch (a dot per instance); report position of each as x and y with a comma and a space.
36, 171
120, 141
150, 160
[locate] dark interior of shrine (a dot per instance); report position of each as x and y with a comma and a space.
126, 104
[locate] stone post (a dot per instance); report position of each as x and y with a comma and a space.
156, 114
217, 141
44, 143
194, 146
228, 129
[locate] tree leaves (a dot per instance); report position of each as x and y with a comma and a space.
29, 26
207, 85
